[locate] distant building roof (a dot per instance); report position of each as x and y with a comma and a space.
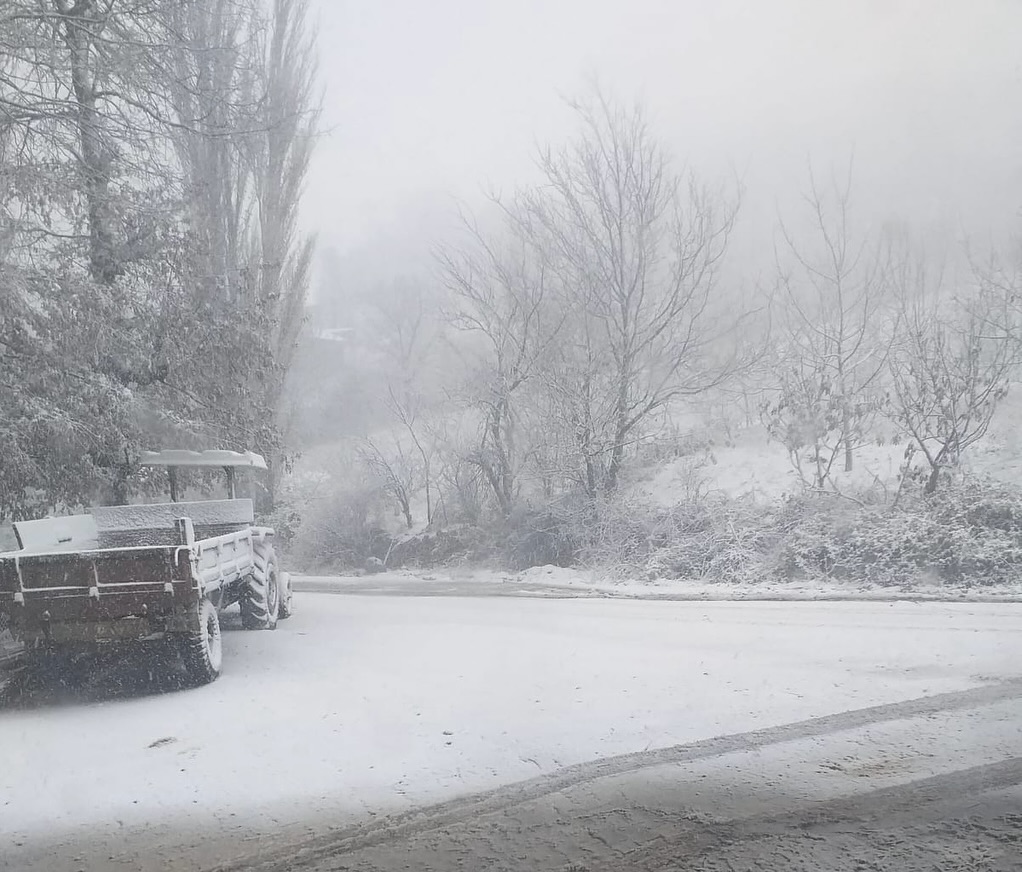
333, 334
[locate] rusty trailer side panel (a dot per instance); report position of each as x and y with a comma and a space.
95, 596
80, 598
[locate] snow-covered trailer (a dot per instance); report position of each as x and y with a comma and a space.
157, 573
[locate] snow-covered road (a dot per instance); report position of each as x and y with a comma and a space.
364, 706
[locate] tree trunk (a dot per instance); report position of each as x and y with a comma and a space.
493, 479
95, 157
616, 457
620, 432
590, 477
118, 492
266, 495
846, 425
501, 477
933, 480
586, 438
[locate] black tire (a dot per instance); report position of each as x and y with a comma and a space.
202, 650
260, 596
286, 596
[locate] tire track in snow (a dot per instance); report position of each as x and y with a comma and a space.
887, 804
417, 821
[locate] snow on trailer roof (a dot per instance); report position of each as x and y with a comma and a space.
179, 457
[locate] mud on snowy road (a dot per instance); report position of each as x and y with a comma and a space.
513, 733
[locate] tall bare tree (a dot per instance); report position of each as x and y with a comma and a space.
279, 160
246, 123
597, 300
501, 296
636, 246
280, 164
838, 324
401, 331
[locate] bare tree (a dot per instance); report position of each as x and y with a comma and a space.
397, 472
242, 91
404, 332
279, 160
501, 293
636, 247
837, 330
461, 490
214, 92
951, 368
596, 301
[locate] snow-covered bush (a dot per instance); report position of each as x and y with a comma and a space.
444, 547
982, 504
534, 537
709, 538
896, 547
715, 538
969, 533
983, 524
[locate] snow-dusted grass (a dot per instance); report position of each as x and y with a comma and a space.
364, 704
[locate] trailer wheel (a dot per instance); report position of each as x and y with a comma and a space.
202, 649
260, 596
286, 596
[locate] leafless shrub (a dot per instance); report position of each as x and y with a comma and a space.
397, 471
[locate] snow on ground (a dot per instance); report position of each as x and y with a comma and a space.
370, 704
753, 465
905, 795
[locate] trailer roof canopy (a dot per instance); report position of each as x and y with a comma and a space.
179, 457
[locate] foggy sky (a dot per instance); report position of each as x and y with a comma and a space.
425, 100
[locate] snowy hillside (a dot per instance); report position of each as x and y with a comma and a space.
752, 465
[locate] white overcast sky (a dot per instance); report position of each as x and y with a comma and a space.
428, 99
